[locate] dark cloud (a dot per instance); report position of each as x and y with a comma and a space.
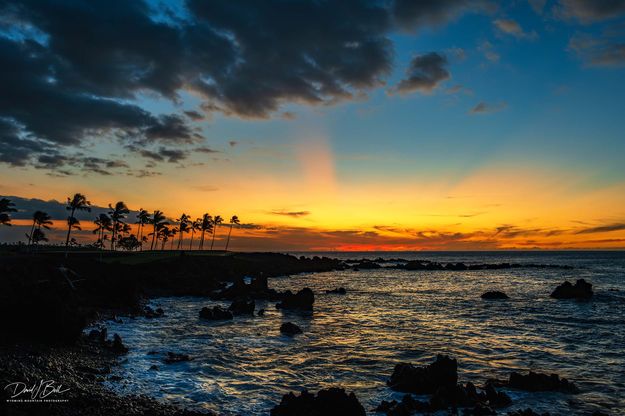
485, 108
163, 154
424, 74
598, 51
205, 149
27, 206
74, 71
294, 214
588, 11
233, 143
602, 228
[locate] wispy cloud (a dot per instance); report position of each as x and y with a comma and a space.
602, 228
294, 214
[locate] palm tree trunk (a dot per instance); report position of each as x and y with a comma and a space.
191, 242
30, 237
179, 240
69, 230
153, 236
214, 232
202, 239
228, 240
139, 232
172, 244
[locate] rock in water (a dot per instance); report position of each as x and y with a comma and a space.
174, 357
215, 313
328, 402
302, 300
242, 307
495, 294
580, 290
118, 346
337, 291
541, 382
290, 328
425, 380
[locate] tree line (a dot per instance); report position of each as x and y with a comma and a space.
113, 230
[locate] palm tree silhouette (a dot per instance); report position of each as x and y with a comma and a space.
78, 202
40, 219
6, 207
233, 220
184, 227
172, 234
103, 224
195, 226
144, 218
216, 221
118, 214
206, 225
38, 236
158, 221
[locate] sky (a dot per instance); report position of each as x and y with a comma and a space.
352, 125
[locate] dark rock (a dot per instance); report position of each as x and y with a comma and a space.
154, 367
337, 291
479, 410
118, 346
302, 300
541, 382
407, 406
367, 265
496, 399
290, 328
151, 313
259, 284
215, 313
425, 380
261, 312
327, 402
495, 294
173, 357
580, 290
242, 307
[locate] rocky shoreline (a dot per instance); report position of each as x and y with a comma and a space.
47, 301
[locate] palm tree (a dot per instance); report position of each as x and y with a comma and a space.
6, 207
40, 219
38, 236
172, 234
233, 220
158, 221
216, 221
195, 226
118, 214
78, 202
144, 218
206, 225
163, 233
103, 224
184, 227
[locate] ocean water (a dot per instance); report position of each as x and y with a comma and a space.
388, 316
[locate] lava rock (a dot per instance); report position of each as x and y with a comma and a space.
215, 313
174, 357
259, 284
290, 328
261, 312
337, 291
367, 265
580, 290
541, 382
118, 346
407, 406
328, 402
302, 300
425, 380
242, 307
153, 313
496, 399
495, 294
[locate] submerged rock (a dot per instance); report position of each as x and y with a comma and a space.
541, 382
215, 313
174, 357
580, 290
495, 294
367, 265
407, 406
302, 300
290, 328
328, 402
337, 291
153, 313
242, 307
527, 412
425, 380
